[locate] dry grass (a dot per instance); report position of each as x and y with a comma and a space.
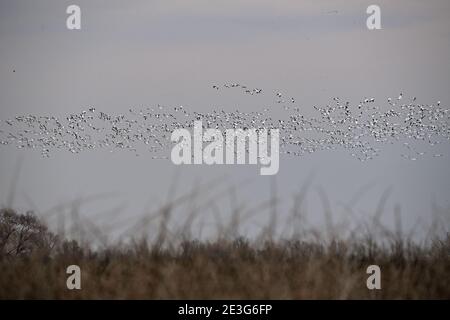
33, 262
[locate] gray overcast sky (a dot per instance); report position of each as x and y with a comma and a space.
140, 53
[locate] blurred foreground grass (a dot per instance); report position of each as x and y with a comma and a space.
33, 264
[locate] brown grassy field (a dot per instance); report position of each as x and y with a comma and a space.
33, 265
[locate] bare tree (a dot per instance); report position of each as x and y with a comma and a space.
21, 234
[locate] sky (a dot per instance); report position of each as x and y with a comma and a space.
140, 53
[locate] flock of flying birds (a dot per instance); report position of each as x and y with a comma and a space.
361, 129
